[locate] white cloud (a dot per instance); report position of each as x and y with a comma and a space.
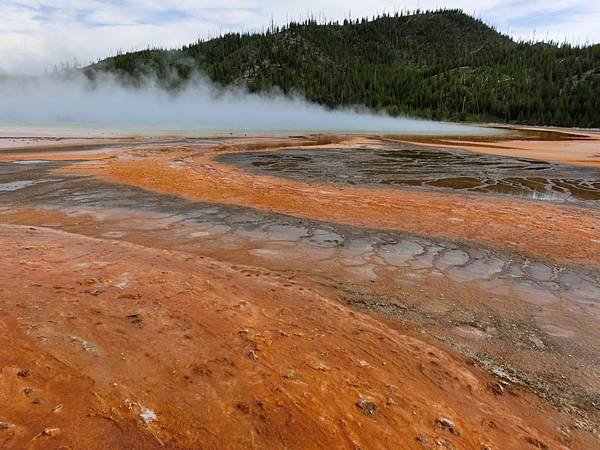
36, 34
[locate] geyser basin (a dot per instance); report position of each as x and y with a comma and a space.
408, 165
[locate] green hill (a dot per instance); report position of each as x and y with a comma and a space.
436, 65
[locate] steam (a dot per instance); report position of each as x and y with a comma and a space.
199, 107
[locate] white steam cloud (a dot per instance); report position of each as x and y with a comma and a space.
199, 107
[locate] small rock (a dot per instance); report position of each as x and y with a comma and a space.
28, 390
57, 408
50, 431
147, 416
537, 443
447, 424
24, 373
444, 443
135, 319
539, 344
4, 426
85, 345
497, 389
243, 407
503, 375
93, 292
36, 401
290, 374
424, 440
368, 407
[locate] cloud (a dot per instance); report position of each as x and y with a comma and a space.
36, 34
573, 21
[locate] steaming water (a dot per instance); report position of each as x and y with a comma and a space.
201, 108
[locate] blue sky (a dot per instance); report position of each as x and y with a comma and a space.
37, 34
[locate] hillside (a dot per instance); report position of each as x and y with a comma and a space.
436, 65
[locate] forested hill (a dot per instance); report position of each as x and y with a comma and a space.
437, 65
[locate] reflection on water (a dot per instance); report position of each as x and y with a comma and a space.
410, 165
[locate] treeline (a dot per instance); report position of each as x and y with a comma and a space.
442, 65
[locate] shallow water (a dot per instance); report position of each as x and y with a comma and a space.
414, 166
16, 185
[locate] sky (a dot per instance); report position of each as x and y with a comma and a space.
35, 35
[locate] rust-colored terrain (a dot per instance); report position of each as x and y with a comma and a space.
301, 292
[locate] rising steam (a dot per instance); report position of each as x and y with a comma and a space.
200, 107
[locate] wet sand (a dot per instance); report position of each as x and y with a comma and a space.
174, 294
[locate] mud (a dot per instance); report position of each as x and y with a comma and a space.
142, 254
